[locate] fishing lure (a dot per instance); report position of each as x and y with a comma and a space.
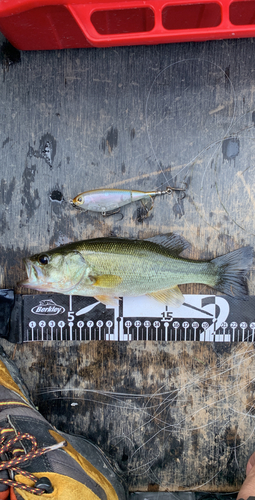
107, 201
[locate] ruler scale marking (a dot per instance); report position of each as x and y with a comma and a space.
200, 318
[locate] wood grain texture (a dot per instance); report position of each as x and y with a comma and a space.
141, 118
175, 416
133, 117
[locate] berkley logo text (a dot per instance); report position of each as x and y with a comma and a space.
47, 308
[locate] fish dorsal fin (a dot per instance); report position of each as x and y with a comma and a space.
170, 297
107, 301
173, 242
106, 280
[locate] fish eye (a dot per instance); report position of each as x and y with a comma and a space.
43, 259
79, 199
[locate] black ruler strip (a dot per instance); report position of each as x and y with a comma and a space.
206, 318
201, 318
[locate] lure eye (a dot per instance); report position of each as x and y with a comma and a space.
79, 199
43, 259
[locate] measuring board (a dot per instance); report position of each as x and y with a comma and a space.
208, 318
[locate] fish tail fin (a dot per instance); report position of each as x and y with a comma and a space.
232, 271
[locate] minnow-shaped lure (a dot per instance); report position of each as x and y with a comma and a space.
108, 200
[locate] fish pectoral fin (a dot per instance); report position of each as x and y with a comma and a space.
107, 301
171, 296
106, 280
172, 241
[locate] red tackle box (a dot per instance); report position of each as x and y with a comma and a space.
52, 24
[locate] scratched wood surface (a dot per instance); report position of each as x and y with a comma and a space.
133, 117
175, 416
140, 118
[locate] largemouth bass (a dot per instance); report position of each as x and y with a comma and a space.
108, 268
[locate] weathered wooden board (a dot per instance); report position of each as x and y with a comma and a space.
175, 416
141, 118
133, 117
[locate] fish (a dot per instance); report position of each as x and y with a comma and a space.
107, 200
109, 268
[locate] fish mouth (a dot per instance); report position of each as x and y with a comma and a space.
29, 279
37, 281
33, 276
